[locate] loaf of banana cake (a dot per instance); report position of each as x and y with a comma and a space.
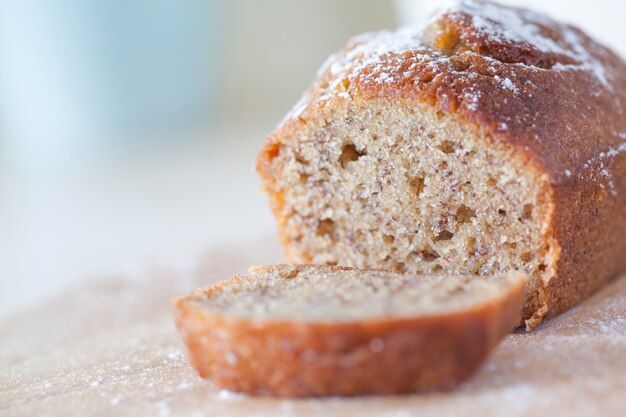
492, 139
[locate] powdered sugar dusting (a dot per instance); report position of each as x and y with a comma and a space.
363, 50
613, 325
225, 394
587, 62
511, 25
506, 83
369, 49
375, 51
383, 77
472, 96
597, 168
571, 365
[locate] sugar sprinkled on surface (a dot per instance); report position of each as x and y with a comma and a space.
364, 50
596, 167
176, 355
225, 394
608, 326
375, 52
508, 84
383, 77
572, 362
511, 25
473, 97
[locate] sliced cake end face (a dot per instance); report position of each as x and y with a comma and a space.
308, 293
399, 186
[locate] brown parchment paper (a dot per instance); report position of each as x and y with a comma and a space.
109, 348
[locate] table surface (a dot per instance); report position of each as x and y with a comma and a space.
110, 348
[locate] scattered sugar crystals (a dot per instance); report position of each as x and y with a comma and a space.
571, 360
616, 324
595, 168
508, 25
383, 78
225, 394
506, 83
473, 97
372, 51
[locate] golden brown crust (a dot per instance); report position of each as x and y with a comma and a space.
382, 356
543, 88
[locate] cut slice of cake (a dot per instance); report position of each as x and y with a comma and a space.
310, 330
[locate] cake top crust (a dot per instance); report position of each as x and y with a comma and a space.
544, 87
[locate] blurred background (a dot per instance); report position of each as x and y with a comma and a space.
129, 129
